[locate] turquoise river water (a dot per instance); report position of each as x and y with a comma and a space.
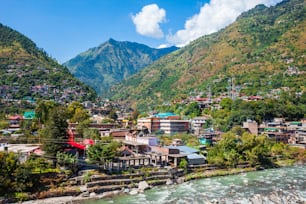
281, 185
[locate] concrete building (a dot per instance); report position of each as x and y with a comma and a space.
197, 124
174, 126
166, 123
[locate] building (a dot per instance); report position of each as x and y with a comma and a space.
24, 151
174, 126
299, 137
197, 124
167, 123
251, 126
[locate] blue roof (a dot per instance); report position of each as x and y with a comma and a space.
184, 149
164, 115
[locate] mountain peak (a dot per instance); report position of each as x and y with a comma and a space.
111, 41
112, 62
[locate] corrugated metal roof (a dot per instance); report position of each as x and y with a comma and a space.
184, 149
195, 156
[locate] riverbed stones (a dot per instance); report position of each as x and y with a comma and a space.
126, 190
134, 191
142, 186
169, 182
83, 188
92, 195
180, 180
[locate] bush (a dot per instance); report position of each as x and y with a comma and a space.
21, 196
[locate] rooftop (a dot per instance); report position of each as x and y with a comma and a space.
164, 115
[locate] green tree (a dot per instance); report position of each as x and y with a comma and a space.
42, 110
4, 124
67, 160
80, 115
55, 136
183, 164
102, 153
192, 110
82, 126
72, 107
91, 133
113, 115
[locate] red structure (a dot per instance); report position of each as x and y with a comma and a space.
73, 143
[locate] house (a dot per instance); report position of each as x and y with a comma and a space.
299, 137
15, 121
193, 156
134, 143
119, 134
251, 126
24, 150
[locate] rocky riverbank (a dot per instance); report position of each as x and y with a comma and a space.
104, 186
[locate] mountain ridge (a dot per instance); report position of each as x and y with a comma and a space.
257, 50
28, 71
112, 61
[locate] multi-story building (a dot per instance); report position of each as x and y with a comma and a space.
166, 123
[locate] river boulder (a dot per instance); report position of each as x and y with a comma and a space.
142, 186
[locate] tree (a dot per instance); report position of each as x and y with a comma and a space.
55, 137
43, 109
102, 153
82, 126
91, 133
226, 103
135, 114
67, 160
4, 124
183, 164
72, 108
80, 115
113, 115
192, 110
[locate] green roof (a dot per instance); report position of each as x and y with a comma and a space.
165, 115
295, 123
271, 129
29, 115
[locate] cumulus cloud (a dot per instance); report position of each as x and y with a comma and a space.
212, 17
148, 20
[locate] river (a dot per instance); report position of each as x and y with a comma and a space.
281, 185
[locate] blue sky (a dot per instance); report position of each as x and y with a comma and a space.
65, 28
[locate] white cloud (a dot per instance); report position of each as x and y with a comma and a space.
163, 46
148, 19
213, 16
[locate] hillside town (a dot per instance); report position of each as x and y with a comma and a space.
215, 114
139, 137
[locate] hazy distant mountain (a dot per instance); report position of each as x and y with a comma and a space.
113, 61
263, 49
26, 70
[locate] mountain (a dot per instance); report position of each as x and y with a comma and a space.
27, 71
264, 49
113, 61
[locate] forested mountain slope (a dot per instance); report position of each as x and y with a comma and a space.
262, 50
27, 71
113, 61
